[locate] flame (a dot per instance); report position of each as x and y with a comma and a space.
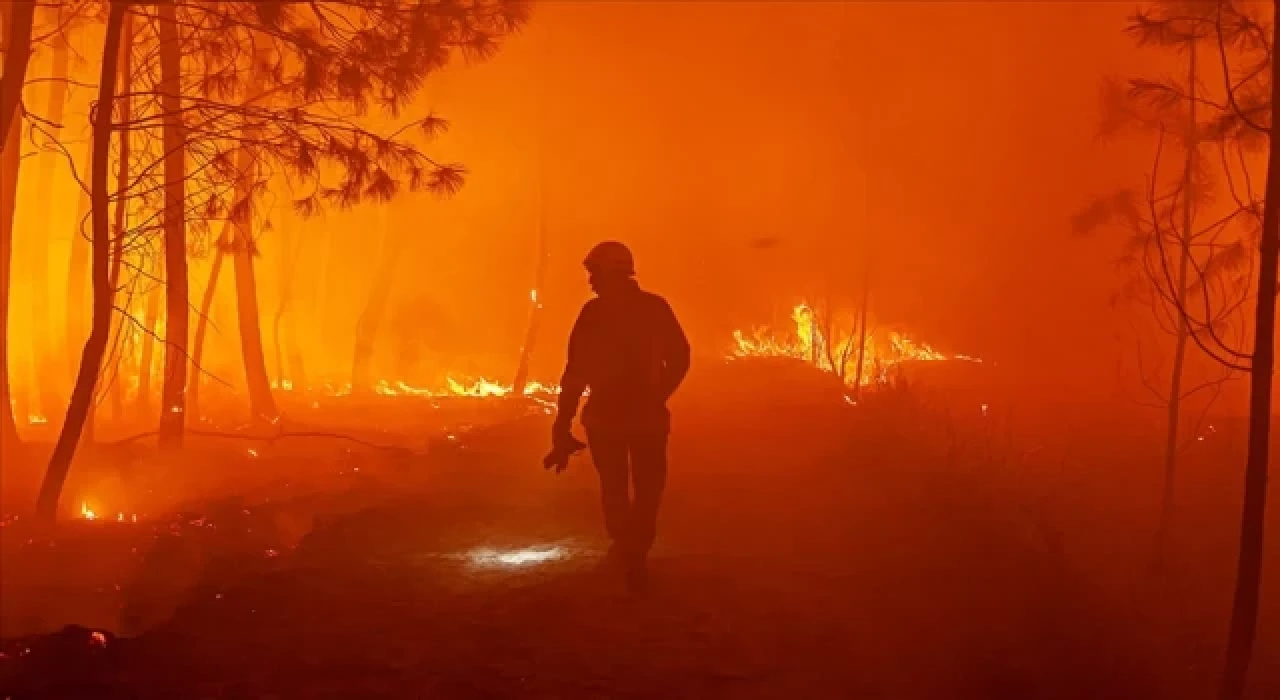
36, 419
121, 517
479, 387
838, 353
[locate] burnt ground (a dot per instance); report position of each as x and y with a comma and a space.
808, 554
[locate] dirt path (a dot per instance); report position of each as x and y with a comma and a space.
781, 572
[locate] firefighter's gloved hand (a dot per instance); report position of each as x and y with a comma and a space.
563, 446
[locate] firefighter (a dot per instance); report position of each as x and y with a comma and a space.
629, 350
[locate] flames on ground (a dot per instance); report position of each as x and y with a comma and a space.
828, 344
820, 339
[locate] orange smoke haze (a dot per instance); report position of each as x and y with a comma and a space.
753, 154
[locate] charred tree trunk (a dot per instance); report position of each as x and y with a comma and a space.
243, 250
9, 164
1244, 609
202, 321
261, 403
374, 310
535, 308
119, 226
173, 392
18, 19
94, 348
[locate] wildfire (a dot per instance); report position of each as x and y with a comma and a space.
88, 513
479, 387
821, 343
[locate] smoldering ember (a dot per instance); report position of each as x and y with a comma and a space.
563, 349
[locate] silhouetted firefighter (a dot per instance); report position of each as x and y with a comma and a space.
628, 348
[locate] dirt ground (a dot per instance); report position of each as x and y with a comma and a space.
801, 555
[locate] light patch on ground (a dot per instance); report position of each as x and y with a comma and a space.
489, 557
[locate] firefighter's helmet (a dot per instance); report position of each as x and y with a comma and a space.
610, 257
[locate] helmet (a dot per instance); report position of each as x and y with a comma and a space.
610, 256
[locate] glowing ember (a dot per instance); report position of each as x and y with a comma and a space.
97, 638
37, 420
252, 452
487, 557
833, 351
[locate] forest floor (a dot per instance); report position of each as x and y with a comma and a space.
788, 566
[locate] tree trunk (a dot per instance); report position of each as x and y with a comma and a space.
202, 321
262, 404
9, 163
1174, 407
147, 357
18, 18
374, 309
1244, 609
96, 345
535, 308
173, 393
119, 226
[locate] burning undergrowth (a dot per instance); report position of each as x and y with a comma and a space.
848, 346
